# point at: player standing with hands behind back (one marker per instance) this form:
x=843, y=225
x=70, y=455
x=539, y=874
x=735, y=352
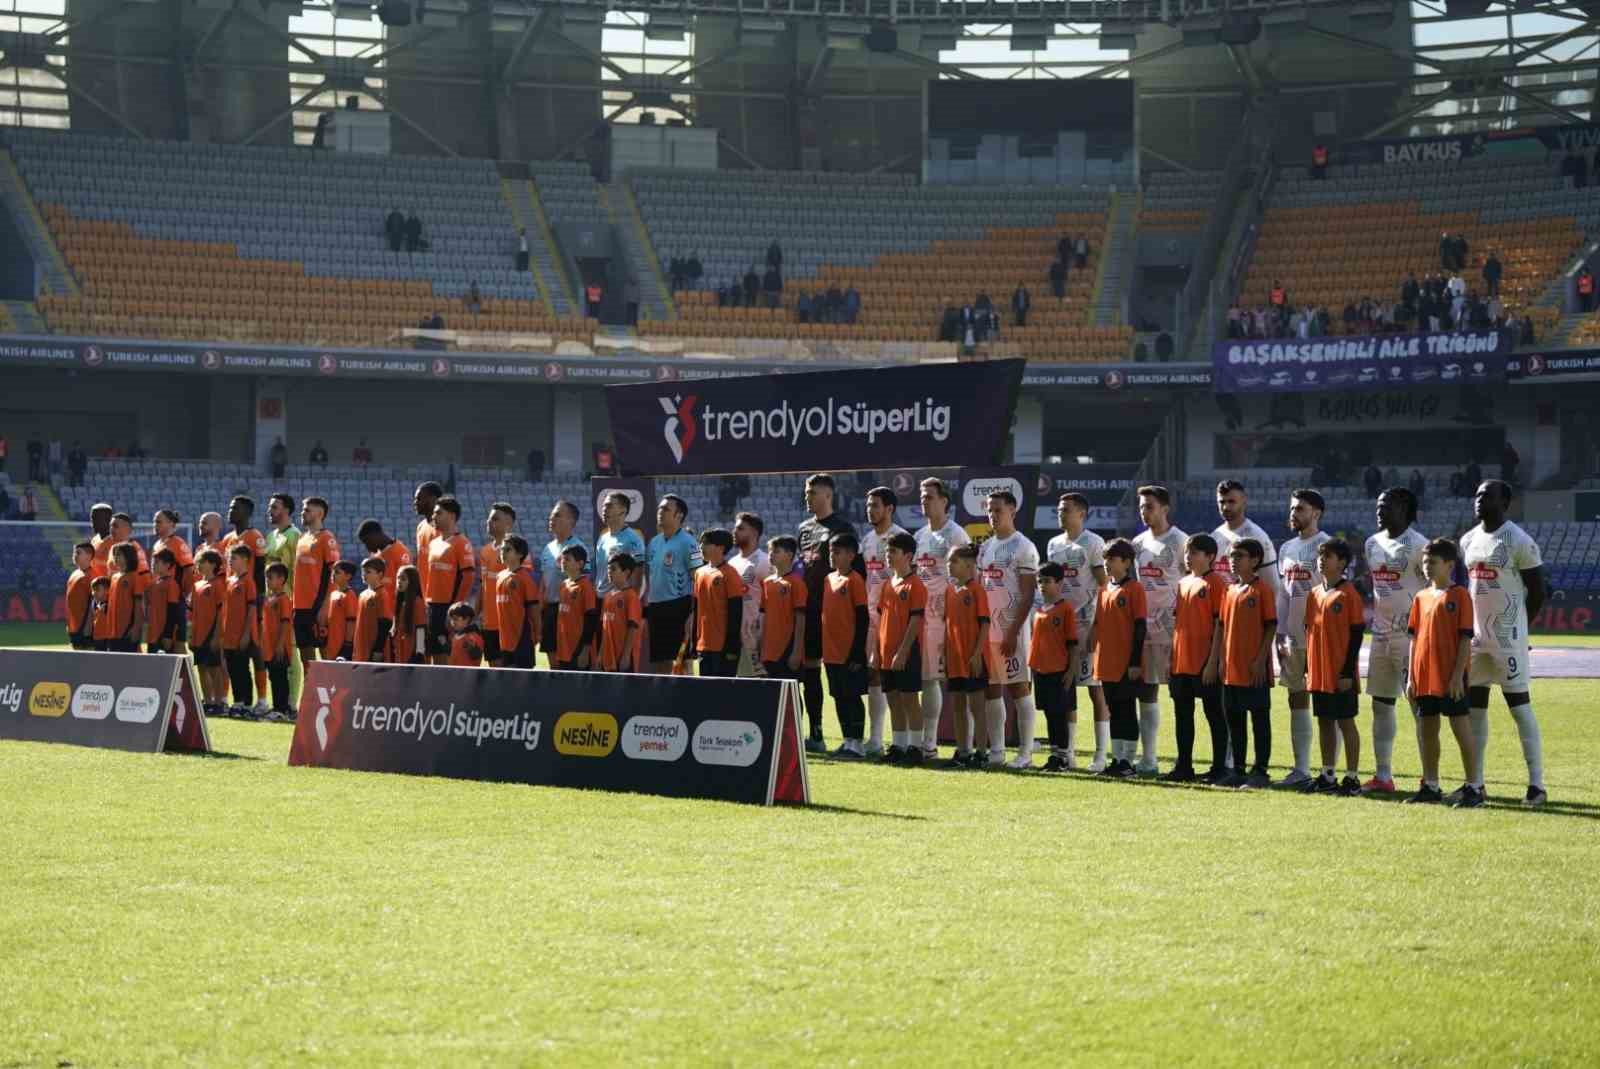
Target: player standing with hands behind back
x=1009, y=565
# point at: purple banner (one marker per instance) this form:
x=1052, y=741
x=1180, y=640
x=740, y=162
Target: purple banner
x=1376, y=362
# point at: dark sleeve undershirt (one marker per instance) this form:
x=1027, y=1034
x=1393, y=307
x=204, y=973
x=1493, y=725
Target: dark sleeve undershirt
x=1136, y=649
x=858, y=644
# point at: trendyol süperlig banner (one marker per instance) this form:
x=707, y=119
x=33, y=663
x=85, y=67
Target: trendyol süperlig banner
x=734, y=740
x=117, y=701
x=929, y=415
x=1376, y=362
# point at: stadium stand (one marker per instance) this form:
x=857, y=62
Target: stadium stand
x=1179, y=200
x=1358, y=232
x=224, y=242
x=908, y=250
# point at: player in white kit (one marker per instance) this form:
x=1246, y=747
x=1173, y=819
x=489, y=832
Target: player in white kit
x=1297, y=574
x=1082, y=556
x=751, y=562
x=1397, y=562
x=1506, y=577
x=935, y=540
x=1159, y=557
x=881, y=505
x=1008, y=565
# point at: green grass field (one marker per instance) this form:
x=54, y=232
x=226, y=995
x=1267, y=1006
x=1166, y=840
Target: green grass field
x=161, y=910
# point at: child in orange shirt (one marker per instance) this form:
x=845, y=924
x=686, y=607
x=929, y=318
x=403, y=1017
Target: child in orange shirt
x=621, y=618
x=339, y=615
x=717, y=620
x=239, y=630
x=897, y=649
x=844, y=641
x=100, y=612
x=205, y=616
x=161, y=602
x=1441, y=648
x=783, y=611
x=466, y=641
x=1244, y=649
x=578, y=616
x=80, y=598
x=1196, y=671
x=373, y=620
x=1119, y=630
x=1055, y=633
x=125, y=603
x=1334, y=624
x=519, y=612
x=966, y=638
x=277, y=635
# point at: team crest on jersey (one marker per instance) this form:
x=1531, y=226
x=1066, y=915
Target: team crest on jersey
x=905, y=595
x=1122, y=600
x=1449, y=606
x=966, y=599
x=1249, y=603
x=1336, y=608
x=666, y=558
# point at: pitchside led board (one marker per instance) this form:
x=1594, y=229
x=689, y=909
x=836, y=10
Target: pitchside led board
x=886, y=417
x=733, y=740
x=140, y=702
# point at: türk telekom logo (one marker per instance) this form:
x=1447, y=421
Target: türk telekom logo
x=680, y=428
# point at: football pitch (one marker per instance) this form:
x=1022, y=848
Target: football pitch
x=163, y=910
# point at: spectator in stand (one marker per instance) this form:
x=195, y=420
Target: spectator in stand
x=593, y=292
x=1458, y=310
x=774, y=256
x=1235, y=321
x=752, y=286
x=694, y=270
x=1492, y=270
x=5, y=504
x=675, y=273
x=414, y=242
x=1419, y=485
x=630, y=299
x=772, y=286
x=1319, y=161
x=1021, y=301
x=1586, y=289
x=36, y=459
x=361, y=454
x=1080, y=253
x=1471, y=478
x=1058, y=277
x=1391, y=476
x=1278, y=298
x=835, y=306
x=28, y=505
x=1064, y=249
x=278, y=458
x=967, y=332
x=394, y=228
x=1372, y=479
x=1494, y=313
x=819, y=306
x=852, y=304
x=1410, y=292
x=474, y=299
x=950, y=323
x=1447, y=251
x=1525, y=330
x=522, y=250
x=319, y=455
x=77, y=464
x=802, y=308
x=54, y=458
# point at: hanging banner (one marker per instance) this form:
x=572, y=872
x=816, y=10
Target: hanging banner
x=734, y=740
x=144, y=703
x=1375, y=362
x=933, y=414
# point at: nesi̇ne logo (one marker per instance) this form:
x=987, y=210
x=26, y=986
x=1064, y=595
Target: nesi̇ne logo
x=49, y=699
x=586, y=734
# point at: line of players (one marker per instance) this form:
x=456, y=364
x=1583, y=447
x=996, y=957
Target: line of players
x=736, y=608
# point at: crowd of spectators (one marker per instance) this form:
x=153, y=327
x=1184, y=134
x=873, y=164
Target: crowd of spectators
x=404, y=232
x=1071, y=254
x=1440, y=301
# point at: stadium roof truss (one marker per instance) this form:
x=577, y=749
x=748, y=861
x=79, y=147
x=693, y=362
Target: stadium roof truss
x=1475, y=64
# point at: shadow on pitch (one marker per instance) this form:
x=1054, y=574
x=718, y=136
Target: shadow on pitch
x=850, y=811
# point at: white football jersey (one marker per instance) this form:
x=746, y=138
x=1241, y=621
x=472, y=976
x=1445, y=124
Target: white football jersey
x=1002, y=562
x=875, y=555
x=933, y=561
x=1160, y=563
x=1399, y=569
x=1226, y=536
x=1495, y=561
x=1079, y=557
x=1297, y=572
x=753, y=571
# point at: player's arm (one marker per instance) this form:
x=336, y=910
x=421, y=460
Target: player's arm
x=629, y=638
x=1027, y=583
x=465, y=578
x=381, y=639
x=975, y=663
x=733, y=636
x=1533, y=579
x=1210, y=674
x=324, y=581
x=591, y=628
x=1352, y=658
x=797, y=657
x=533, y=614
x=1458, y=672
